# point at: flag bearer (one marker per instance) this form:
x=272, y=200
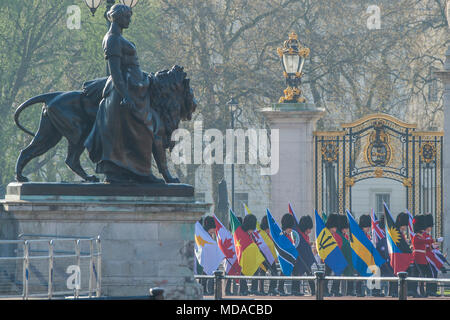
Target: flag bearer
x=273, y=268
x=385, y=269
x=365, y=223
x=287, y=225
x=344, y=232
x=249, y=226
x=333, y=224
x=305, y=225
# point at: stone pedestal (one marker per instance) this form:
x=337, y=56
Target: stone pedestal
x=147, y=239
x=294, y=181
x=444, y=75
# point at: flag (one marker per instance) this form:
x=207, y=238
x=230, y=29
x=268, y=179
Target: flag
x=399, y=251
x=248, y=254
x=410, y=224
x=287, y=254
x=327, y=247
x=263, y=241
x=377, y=230
x=305, y=255
x=436, y=260
x=207, y=251
x=226, y=245
x=364, y=254
x=291, y=211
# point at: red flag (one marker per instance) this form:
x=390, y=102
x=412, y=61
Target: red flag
x=226, y=245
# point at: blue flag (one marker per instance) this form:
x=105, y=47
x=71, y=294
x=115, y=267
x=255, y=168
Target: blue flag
x=364, y=254
x=328, y=249
x=287, y=254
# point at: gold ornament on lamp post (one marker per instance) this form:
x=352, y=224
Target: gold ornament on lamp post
x=293, y=56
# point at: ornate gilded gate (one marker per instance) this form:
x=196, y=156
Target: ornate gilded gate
x=379, y=146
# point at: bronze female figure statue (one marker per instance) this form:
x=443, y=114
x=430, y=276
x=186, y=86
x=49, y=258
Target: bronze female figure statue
x=138, y=124
x=120, y=141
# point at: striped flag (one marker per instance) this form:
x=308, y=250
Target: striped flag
x=377, y=231
x=399, y=251
x=287, y=254
x=364, y=254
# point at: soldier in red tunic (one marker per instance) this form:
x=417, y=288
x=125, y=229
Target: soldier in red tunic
x=421, y=243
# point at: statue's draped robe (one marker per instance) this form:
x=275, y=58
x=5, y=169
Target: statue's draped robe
x=121, y=139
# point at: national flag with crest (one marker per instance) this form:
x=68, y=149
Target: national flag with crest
x=364, y=254
x=305, y=255
x=263, y=241
x=226, y=244
x=399, y=251
x=377, y=230
x=287, y=253
x=207, y=251
x=248, y=253
x=327, y=247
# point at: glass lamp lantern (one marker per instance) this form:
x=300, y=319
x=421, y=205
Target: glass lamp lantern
x=130, y=3
x=293, y=57
x=93, y=5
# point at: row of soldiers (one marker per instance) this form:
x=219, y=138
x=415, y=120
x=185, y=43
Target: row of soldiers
x=338, y=225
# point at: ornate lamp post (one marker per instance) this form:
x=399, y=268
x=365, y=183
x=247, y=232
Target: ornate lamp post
x=232, y=106
x=293, y=56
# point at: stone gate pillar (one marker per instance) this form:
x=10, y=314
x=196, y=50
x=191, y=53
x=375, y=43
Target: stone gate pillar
x=444, y=75
x=295, y=179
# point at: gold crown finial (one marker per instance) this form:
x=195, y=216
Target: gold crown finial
x=293, y=36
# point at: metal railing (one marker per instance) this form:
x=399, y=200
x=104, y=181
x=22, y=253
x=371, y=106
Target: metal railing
x=320, y=281
x=38, y=268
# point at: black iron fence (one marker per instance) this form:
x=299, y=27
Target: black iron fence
x=320, y=281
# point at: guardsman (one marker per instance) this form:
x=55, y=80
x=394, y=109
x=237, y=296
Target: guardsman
x=365, y=223
x=249, y=226
x=305, y=225
x=421, y=242
x=431, y=286
x=333, y=224
x=385, y=269
x=273, y=268
x=344, y=232
x=287, y=225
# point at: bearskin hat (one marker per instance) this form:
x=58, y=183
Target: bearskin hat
x=332, y=221
x=429, y=220
x=419, y=223
x=402, y=220
x=365, y=221
x=287, y=221
x=249, y=222
x=305, y=223
x=264, y=224
x=209, y=223
x=343, y=222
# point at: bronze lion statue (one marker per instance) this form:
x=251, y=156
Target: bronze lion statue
x=72, y=115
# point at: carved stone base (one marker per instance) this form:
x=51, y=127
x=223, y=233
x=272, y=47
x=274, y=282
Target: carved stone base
x=147, y=236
